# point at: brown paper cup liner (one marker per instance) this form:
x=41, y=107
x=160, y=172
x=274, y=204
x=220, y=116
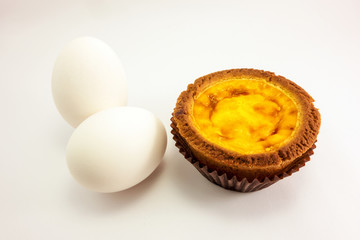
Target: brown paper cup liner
x=235, y=184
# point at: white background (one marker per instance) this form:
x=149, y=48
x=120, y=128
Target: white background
x=165, y=45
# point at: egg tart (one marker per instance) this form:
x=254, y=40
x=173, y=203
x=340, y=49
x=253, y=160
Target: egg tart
x=245, y=129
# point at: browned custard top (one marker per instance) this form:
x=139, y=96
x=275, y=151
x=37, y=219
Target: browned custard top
x=246, y=115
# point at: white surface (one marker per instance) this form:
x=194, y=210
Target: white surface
x=88, y=77
x=165, y=45
x=115, y=149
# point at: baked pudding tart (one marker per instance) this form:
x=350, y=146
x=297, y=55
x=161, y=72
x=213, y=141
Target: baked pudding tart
x=245, y=129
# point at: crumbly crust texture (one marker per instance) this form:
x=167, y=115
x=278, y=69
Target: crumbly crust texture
x=232, y=163
x=236, y=183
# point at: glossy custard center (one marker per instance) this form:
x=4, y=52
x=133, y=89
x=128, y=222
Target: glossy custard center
x=245, y=115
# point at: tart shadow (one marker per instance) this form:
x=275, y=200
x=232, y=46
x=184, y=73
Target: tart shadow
x=226, y=204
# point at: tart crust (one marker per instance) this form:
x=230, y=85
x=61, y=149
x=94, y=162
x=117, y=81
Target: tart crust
x=234, y=183
x=250, y=166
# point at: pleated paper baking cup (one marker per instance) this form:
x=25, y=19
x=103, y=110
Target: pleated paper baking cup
x=235, y=183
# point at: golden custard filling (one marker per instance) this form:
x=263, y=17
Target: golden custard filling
x=246, y=115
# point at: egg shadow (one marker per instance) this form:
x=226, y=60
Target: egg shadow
x=60, y=135
x=88, y=202
x=225, y=203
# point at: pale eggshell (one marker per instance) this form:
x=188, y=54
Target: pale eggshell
x=116, y=149
x=88, y=77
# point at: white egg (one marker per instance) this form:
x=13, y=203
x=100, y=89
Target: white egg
x=116, y=149
x=88, y=77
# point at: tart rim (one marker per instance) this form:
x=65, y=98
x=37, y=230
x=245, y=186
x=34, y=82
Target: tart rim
x=303, y=139
x=234, y=182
